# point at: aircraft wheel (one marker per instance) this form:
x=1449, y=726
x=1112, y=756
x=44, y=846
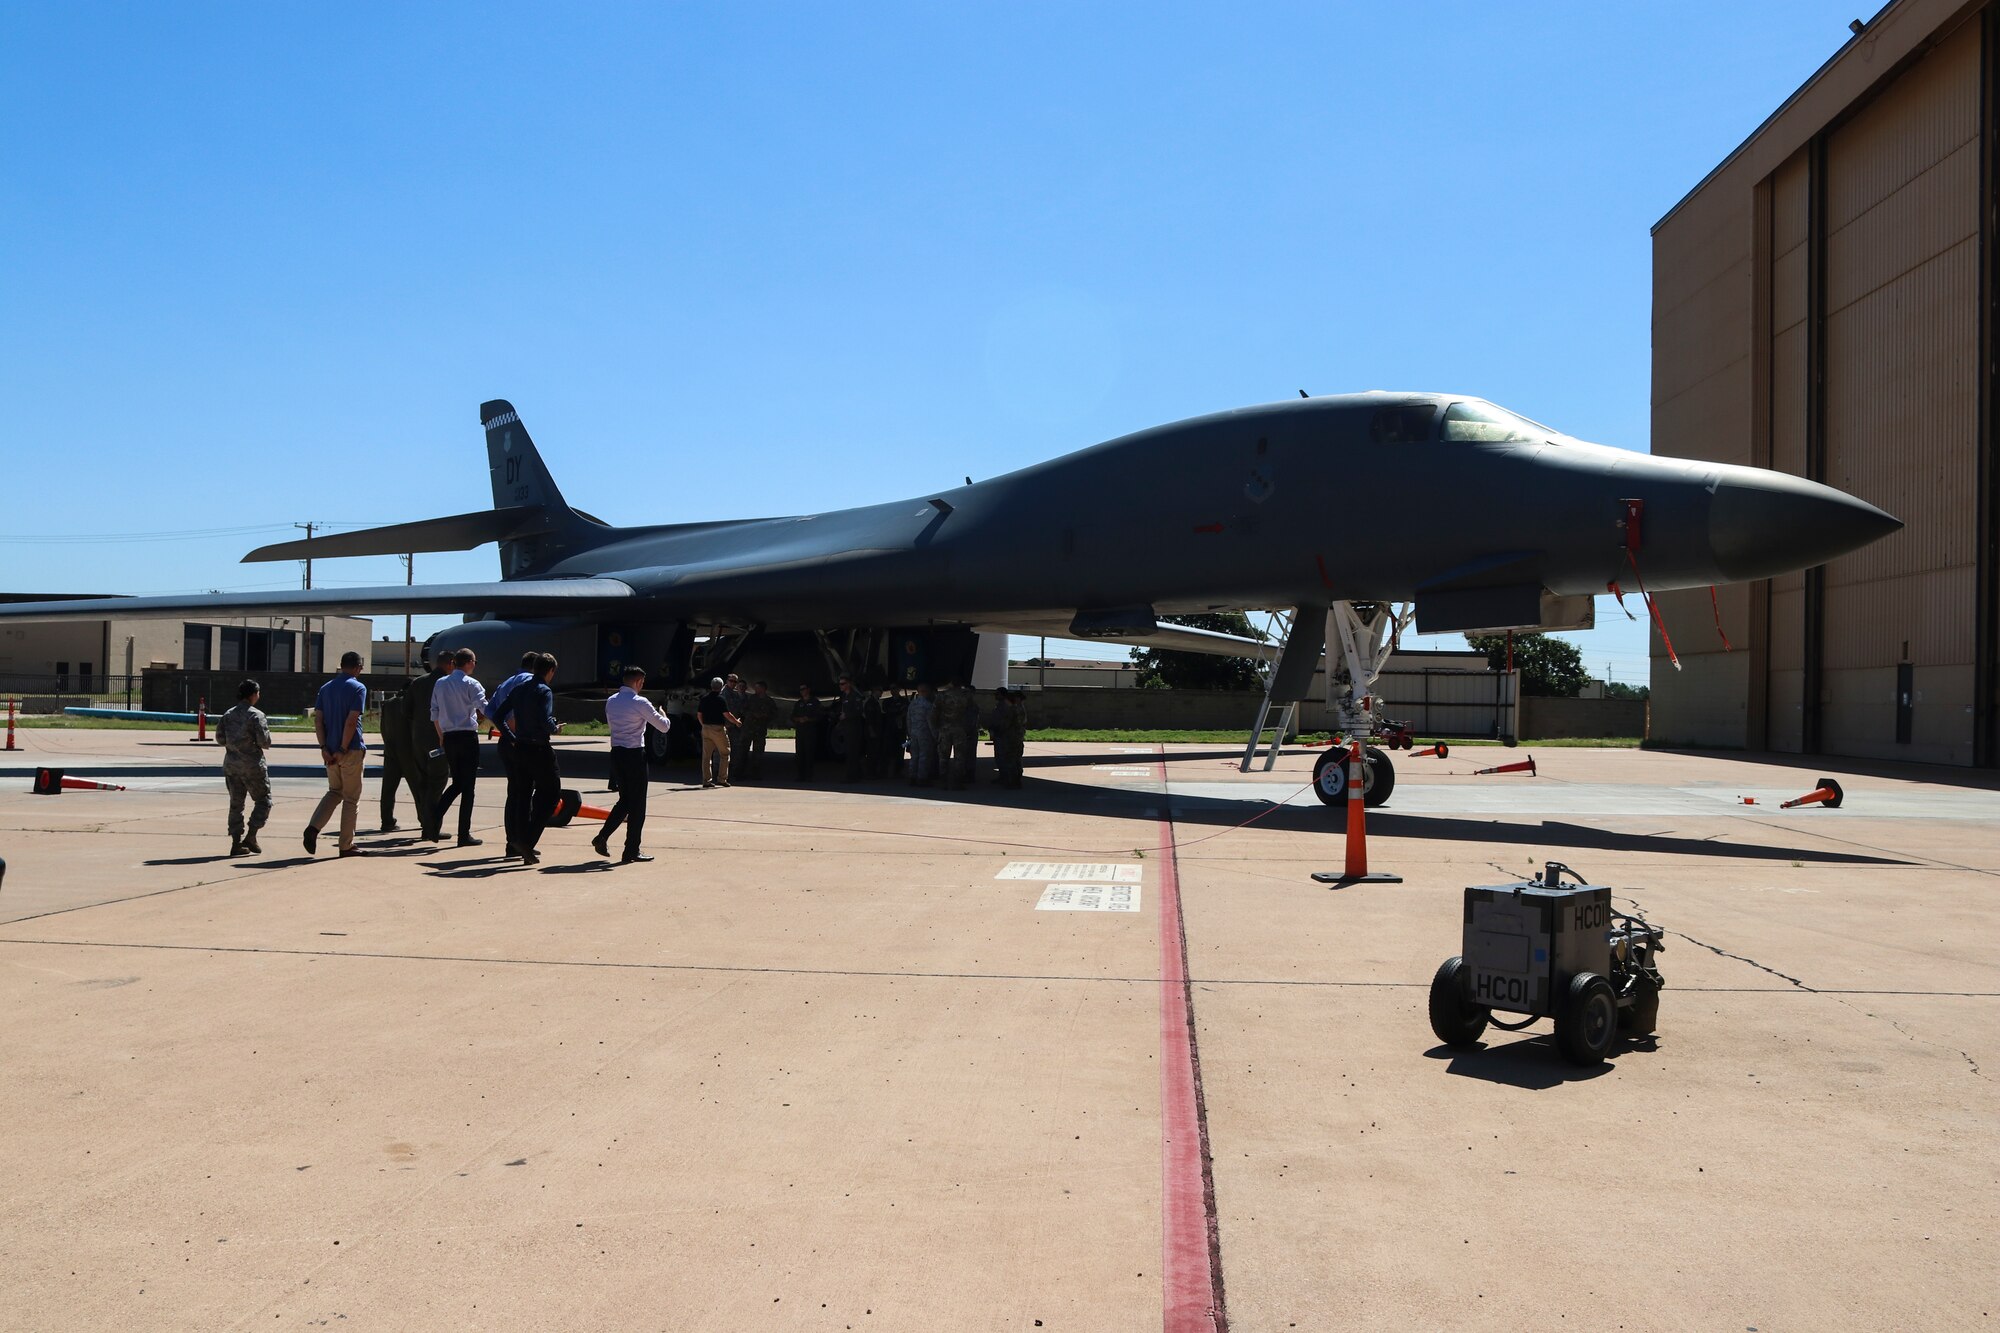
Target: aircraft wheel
x=1378, y=778
x=1330, y=776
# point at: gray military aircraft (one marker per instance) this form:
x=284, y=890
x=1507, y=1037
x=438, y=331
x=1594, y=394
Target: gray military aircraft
x=1272, y=506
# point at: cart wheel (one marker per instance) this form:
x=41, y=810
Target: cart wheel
x=1644, y=1013
x=1456, y=1021
x=1587, y=1022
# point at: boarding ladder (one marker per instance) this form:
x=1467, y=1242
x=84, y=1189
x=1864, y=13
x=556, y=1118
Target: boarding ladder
x=1280, y=631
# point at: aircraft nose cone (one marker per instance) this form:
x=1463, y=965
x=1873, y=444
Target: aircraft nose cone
x=1772, y=523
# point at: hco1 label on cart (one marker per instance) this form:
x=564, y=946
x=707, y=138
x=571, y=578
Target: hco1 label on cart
x=1111, y=873
x=1089, y=898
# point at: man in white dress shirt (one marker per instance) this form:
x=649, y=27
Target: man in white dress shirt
x=458, y=706
x=629, y=713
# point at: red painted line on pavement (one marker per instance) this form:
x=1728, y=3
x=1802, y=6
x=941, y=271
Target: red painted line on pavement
x=1190, y=1248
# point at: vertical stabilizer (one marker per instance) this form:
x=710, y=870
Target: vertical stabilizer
x=522, y=480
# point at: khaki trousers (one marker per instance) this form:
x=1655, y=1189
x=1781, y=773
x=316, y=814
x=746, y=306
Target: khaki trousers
x=343, y=788
x=714, y=754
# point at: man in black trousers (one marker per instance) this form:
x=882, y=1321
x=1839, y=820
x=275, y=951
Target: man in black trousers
x=629, y=712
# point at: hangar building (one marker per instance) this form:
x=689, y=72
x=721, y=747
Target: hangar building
x=101, y=656
x=1824, y=303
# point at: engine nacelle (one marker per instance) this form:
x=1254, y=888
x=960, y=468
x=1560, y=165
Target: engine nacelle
x=500, y=645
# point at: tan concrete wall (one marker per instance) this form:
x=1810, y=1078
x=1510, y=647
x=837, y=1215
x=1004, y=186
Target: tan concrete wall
x=1901, y=329
x=1559, y=719
x=1703, y=289
x=33, y=651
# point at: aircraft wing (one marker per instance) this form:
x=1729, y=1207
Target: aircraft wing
x=1177, y=638
x=512, y=597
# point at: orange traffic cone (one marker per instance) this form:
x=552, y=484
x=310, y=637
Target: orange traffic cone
x=1525, y=766
x=1438, y=751
x=1356, y=869
x=10, y=726
x=1827, y=793
x=51, y=782
x=200, y=720
x=591, y=812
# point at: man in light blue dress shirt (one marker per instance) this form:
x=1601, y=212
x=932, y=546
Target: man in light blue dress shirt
x=630, y=713
x=458, y=705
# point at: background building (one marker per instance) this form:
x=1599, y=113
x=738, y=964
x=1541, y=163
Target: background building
x=97, y=656
x=1823, y=304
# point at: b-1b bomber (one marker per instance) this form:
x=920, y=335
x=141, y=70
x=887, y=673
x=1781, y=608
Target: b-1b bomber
x=1257, y=508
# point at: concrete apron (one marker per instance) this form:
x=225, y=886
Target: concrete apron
x=817, y=1066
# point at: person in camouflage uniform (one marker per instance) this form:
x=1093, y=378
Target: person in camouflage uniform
x=1009, y=728
x=398, y=764
x=958, y=735
x=920, y=718
x=850, y=711
x=759, y=708
x=895, y=723
x=244, y=736
x=427, y=774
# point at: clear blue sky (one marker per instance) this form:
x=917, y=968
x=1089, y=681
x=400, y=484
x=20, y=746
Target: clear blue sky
x=259, y=264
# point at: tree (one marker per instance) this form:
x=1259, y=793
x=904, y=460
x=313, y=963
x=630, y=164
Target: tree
x=1161, y=668
x=1550, y=668
x=1618, y=689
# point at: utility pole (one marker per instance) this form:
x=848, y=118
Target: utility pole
x=305, y=645
x=409, y=580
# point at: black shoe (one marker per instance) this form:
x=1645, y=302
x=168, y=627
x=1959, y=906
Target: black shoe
x=352, y=851
x=509, y=851
x=531, y=858
x=602, y=846
x=236, y=846
x=250, y=845
x=312, y=841
x=467, y=840
x=630, y=857
x=433, y=835
x=389, y=826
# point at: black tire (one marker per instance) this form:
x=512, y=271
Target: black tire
x=660, y=745
x=1587, y=1021
x=1378, y=778
x=1456, y=1021
x=1643, y=1014
x=1330, y=776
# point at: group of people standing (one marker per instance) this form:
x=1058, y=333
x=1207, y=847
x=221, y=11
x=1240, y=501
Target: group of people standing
x=929, y=737
x=430, y=734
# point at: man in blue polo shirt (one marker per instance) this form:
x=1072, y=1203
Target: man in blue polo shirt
x=337, y=724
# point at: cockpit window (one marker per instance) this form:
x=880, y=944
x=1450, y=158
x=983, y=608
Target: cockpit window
x=1407, y=423
x=1483, y=423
